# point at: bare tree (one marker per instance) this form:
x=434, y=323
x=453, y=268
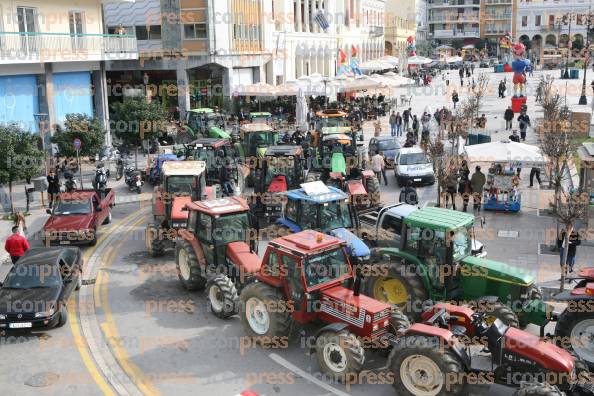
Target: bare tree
x=570, y=208
x=442, y=168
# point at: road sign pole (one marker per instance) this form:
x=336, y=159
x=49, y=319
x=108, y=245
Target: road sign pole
x=79, y=168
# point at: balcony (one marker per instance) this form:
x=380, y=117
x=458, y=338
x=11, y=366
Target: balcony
x=498, y=17
x=451, y=34
x=497, y=2
x=376, y=31
x=20, y=48
x=458, y=18
x=454, y=3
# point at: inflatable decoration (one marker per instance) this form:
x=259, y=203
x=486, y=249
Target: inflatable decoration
x=411, y=48
x=519, y=66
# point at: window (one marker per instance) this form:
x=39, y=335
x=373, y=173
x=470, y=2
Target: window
x=537, y=20
x=141, y=33
x=152, y=33
x=392, y=224
x=551, y=20
x=273, y=268
x=204, y=227
x=525, y=20
x=195, y=31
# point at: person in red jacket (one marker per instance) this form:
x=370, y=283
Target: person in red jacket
x=16, y=245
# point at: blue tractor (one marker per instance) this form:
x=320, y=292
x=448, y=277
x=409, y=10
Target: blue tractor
x=329, y=212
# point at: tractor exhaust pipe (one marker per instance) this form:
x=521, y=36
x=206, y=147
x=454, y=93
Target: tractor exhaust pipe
x=357, y=283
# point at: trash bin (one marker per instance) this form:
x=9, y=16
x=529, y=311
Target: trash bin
x=500, y=68
x=574, y=74
x=495, y=68
x=40, y=184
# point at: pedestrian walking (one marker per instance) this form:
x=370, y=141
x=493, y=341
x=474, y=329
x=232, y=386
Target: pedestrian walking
x=535, y=172
x=393, y=124
x=464, y=184
x=53, y=187
x=408, y=194
x=455, y=98
x=384, y=168
x=524, y=122
x=461, y=73
x=481, y=122
x=415, y=128
x=377, y=164
x=398, y=124
x=477, y=183
x=514, y=137
x=472, y=68
x=509, y=118
x=406, y=116
x=19, y=221
x=574, y=241
x=16, y=245
x=592, y=85
x=451, y=188
x=447, y=79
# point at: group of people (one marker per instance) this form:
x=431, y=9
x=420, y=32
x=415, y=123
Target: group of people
x=459, y=182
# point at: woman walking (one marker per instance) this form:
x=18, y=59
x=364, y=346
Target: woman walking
x=53, y=187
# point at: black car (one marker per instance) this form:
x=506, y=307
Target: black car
x=35, y=291
x=389, y=145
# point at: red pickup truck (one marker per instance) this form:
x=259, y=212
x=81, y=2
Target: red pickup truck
x=77, y=216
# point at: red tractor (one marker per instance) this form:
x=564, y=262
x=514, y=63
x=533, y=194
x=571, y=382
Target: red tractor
x=216, y=252
x=434, y=357
x=301, y=280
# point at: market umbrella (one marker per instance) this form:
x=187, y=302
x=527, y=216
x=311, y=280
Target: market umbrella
x=444, y=46
x=454, y=59
x=469, y=46
x=505, y=151
x=390, y=59
x=301, y=110
x=418, y=60
x=399, y=80
x=375, y=65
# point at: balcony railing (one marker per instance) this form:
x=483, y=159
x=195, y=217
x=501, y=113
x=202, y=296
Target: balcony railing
x=18, y=47
x=502, y=16
x=376, y=31
x=474, y=17
x=459, y=3
x=451, y=33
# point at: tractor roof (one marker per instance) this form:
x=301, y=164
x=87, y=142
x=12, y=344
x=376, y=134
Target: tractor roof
x=202, y=110
x=337, y=136
x=439, y=219
x=218, y=207
x=308, y=242
x=256, y=127
x=334, y=195
x=331, y=113
x=261, y=114
x=184, y=168
x=282, y=151
x=336, y=130
x=210, y=142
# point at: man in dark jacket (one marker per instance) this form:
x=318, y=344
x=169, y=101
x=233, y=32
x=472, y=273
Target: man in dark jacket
x=574, y=241
x=406, y=116
x=477, y=183
x=408, y=194
x=514, y=137
x=524, y=121
x=509, y=117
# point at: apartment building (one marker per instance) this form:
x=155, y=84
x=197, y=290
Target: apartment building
x=546, y=24
x=454, y=19
x=308, y=34
x=52, y=58
x=498, y=18
x=421, y=18
x=191, y=52
x=401, y=23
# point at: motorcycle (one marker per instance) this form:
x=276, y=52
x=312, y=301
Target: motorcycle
x=101, y=175
x=70, y=184
x=133, y=179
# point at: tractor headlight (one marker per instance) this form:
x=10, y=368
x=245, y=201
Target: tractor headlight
x=365, y=258
x=375, y=327
x=45, y=314
x=2, y=317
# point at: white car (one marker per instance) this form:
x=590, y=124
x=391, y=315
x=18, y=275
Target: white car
x=413, y=164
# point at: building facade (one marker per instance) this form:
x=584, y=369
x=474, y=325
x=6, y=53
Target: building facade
x=192, y=52
x=302, y=45
x=454, y=19
x=52, y=58
x=421, y=18
x=401, y=23
x=544, y=24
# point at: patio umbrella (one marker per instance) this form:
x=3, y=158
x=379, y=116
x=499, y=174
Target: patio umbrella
x=444, y=46
x=390, y=59
x=258, y=89
x=375, y=65
x=301, y=110
x=505, y=151
x=469, y=46
x=418, y=60
x=399, y=80
x=454, y=59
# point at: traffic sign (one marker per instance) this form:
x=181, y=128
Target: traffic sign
x=77, y=144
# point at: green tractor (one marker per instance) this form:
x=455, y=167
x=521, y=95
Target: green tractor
x=255, y=139
x=262, y=117
x=434, y=263
x=203, y=122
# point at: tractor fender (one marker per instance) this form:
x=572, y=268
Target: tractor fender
x=395, y=253
x=443, y=338
x=334, y=327
x=355, y=246
x=577, y=294
x=488, y=299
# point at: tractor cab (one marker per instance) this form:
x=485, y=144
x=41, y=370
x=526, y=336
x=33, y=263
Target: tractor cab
x=221, y=228
x=255, y=139
x=332, y=118
x=155, y=165
x=216, y=152
x=262, y=117
x=326, y=209
x=313, y=271
x=205, y=122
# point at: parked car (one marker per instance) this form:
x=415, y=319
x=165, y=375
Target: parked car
x=45, y=278
x=389, y=145
x=413, y=164
x=77, y=216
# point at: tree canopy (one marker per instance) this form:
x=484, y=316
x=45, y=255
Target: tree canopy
x=87, y=129
x=135, y=120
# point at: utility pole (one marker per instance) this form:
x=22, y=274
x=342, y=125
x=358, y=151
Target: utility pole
x=583, y=98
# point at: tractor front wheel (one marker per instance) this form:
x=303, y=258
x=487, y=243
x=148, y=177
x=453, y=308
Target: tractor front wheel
x=373, y=190
x=340, y=354
x=399, y=285
x=222, y=296
x=264, y=311
x=497, y=310
x=578, y=328
x=188, y=267
x=422, y=367
x=538, y=389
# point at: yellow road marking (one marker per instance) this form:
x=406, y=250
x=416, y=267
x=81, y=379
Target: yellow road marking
x=109, y=327
x=77, y=336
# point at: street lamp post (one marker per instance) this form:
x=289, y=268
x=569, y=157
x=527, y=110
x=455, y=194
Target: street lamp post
x=41, y=124
x=583, y=98
x=566, y=19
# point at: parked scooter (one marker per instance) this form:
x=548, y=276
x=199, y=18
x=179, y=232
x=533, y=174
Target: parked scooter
x=70, y=184
x=101, y=175
x=133, y=179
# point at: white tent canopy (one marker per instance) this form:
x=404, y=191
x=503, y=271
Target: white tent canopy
x=258, y=89
x=505, y=151
x=390, y=59
x=454, y=59
x=418, y=60
x=376, y=65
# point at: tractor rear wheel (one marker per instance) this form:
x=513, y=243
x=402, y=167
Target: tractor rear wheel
x=577, y=326
x=538, y=389
x=422, y=367
x=498, y=310
x=534, y=293
x=154, y=244
x=401, y=286
x=257, y=317
x=312, y=177
x=188, y=267
x=222, y=296
x=373, y=190
x=340, y=354
x=398, y=321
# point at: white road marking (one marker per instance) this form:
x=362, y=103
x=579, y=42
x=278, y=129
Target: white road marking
x=291, y=367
